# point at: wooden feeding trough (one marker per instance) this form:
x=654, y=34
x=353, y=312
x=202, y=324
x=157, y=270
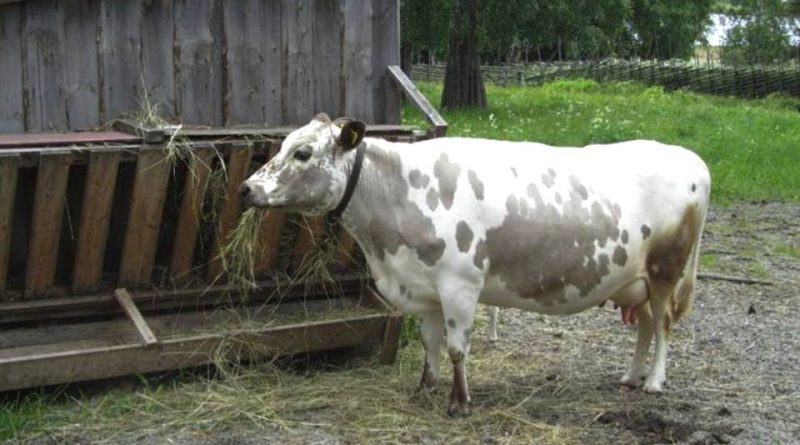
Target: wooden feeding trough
x=109, y=266
x=110, y=247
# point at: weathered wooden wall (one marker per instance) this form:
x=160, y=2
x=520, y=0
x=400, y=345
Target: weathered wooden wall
x=73, y=64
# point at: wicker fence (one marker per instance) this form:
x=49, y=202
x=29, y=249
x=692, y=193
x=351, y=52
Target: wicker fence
x=747, y=82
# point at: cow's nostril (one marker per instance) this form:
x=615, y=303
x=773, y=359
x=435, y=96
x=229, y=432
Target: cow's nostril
x=244, y=191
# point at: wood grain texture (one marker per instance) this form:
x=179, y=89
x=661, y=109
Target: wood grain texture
x=120, y=50
x=145, y=333
x=9, y=168
x=189, y=217
x=307, y=239
x=158, y=32
x=238, y=165
x=144, y=218
x=48, y=209
x=327, y=31
x=271, y=50
x=244, y=62
x=12, y=118
x=385, y=51
x=80, y=66
x=298, y=68
x=43, y=66
x=357, y=60
x=199, y=56
x=98, y=194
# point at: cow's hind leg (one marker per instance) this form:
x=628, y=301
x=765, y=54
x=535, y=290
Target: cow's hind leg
x=459, y=312
x=493, y=311
x=432, y=333
x=645, y=337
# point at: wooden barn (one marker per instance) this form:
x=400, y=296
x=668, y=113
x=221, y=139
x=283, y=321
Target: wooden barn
x=112, y=241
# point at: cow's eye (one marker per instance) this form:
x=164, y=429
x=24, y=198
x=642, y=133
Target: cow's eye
x=302, y=155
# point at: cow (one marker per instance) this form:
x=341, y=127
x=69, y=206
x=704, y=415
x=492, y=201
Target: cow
x=450, y=222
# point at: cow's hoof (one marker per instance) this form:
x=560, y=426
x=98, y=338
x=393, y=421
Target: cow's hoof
x=630, y=380
x=653, y=387
x=457, y=410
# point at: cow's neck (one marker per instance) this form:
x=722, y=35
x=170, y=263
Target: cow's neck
x=379, y=187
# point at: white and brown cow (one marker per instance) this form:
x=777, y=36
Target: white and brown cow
x=448, y=223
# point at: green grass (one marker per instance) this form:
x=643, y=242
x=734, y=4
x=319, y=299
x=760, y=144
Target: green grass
x=751, y=146
x=787, y=250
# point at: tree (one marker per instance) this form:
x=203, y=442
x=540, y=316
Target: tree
x=463, y=83
x=667, y=29
x=760, y=33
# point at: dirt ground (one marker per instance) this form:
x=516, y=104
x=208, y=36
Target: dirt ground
x=733, y=372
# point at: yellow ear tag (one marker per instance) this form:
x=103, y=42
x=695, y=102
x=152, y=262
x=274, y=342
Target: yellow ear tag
x=353, y=137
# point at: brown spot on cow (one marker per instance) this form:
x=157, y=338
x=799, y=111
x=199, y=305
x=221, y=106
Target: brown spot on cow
x=476, y=184
x=432, y=199
x=447, y=173
x=645, y=231
x=620, y=256
x=417, y=179
x=464, y=236
x=624, y=237
x=451, y=323
x=539, y=255
x=406, y=225
x=579, y=188
x=549, y=177
x=671, y=249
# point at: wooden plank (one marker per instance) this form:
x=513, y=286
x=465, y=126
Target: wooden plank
x=43, y=66
x=347, y=246
x=326, y=28
x=194, y=190
x=145, y=334
x=243, y=62
x=80, y=63
x=271, y=50
x=158, y=34
x=419, y=100
x=271, y=229
x=9, y=167
x=158, y=300
x=238, y=166
x=307, y=239
x=198, y=60
x=385, y=52
x=12, y=118
x=357, y=60
x=98, y=194
x=391, y=339
x=48, y=208
x=144, y=218
x=70, y=365
x=298, y=69
x=120, y=51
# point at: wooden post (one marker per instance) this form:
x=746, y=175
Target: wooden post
x=48, y=208
x=144, y=218
x=9, y=166
x=194, y=189
x=238, y=166
x=98, y=196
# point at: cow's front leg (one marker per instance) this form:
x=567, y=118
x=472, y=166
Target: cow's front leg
x=432, y=333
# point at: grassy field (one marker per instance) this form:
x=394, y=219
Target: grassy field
x=751, y=146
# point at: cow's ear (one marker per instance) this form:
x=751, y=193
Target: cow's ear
x=352, y=133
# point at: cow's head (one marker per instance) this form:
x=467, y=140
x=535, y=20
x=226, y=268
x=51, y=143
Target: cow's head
x=309, y=173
